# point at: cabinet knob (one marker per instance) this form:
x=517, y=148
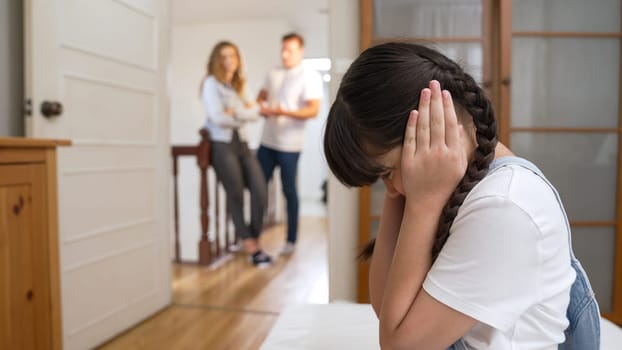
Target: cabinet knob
x=29, y=295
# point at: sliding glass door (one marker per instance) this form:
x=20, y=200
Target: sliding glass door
x=565, y=117
x=552, y=68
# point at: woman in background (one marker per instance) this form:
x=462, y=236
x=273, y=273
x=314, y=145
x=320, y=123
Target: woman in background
x=228, y=110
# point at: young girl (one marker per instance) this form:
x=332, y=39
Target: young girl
x=222, y=92
x=473, y=249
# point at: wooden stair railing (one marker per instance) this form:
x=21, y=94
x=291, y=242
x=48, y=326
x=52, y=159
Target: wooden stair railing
x=203, y=161
x=209, y=250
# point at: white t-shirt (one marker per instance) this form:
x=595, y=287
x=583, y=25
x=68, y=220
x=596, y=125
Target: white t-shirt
x=506, y=263
x=289, y=89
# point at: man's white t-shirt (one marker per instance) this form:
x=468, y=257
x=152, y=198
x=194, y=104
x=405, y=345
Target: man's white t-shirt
x=507, y=264
x=289, y=89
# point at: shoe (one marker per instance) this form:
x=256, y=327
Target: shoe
x=288, y=249
x=235, y=248
x=260, y=259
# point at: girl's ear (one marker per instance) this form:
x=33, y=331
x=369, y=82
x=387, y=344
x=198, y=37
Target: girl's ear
x=391, y=191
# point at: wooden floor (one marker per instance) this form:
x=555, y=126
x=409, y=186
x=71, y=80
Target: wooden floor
x=233, y=307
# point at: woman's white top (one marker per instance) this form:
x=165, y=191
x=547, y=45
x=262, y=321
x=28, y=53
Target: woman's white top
x=217, y=97
x=506, y=263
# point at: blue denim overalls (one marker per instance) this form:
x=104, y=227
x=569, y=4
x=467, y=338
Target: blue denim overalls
x=583, y=332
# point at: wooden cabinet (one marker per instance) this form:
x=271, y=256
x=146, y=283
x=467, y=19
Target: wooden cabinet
x=29, y=273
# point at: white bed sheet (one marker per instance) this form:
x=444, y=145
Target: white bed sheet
x=355, y=326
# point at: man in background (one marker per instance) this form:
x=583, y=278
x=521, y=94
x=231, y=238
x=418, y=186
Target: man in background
x=290, y=96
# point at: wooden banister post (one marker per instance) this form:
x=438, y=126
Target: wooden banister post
x=203, y=160
x=217, y=213
x=176, y=200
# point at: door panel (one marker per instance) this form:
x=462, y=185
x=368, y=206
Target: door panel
x=105, y=61
x=117, y=103
x=565, y=82
x=425, y=18
x=565, y=116
x=554, y=15
x=131, y=201
x=129, y=36
x=582, y=166
x=596, y=245
x=468, y=55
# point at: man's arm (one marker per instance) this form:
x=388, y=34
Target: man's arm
x=262, y=96
x=262, y=99
x=310, y=110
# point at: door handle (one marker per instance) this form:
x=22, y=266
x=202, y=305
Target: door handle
x=51, y=109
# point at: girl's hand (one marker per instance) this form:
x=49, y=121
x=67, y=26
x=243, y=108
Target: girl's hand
x=434, y=158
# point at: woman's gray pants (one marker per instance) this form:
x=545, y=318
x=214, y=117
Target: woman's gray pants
x=237, y=168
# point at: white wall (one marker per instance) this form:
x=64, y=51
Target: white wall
x=11, y=68
x=342, y=202
x=312, y=167
x=259, y=41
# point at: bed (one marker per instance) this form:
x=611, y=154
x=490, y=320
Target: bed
x=355, y=326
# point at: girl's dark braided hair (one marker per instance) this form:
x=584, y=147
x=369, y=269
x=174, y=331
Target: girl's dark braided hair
x=369, y=116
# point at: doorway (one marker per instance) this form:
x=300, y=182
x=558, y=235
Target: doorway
x=197, y=26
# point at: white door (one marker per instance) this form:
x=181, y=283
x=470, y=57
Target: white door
x=105, y=62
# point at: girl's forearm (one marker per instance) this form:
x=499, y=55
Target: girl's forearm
x=411, y=262
x=390, y=222
x=310, y=110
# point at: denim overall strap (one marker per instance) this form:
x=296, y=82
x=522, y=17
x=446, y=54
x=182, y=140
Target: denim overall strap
x=459, y=345
x=583, y=332
x=583, y=314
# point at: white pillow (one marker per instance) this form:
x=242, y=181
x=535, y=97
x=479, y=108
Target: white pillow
x=610, y=335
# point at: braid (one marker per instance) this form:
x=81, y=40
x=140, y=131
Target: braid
x=472, y=98
x=396, y=69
